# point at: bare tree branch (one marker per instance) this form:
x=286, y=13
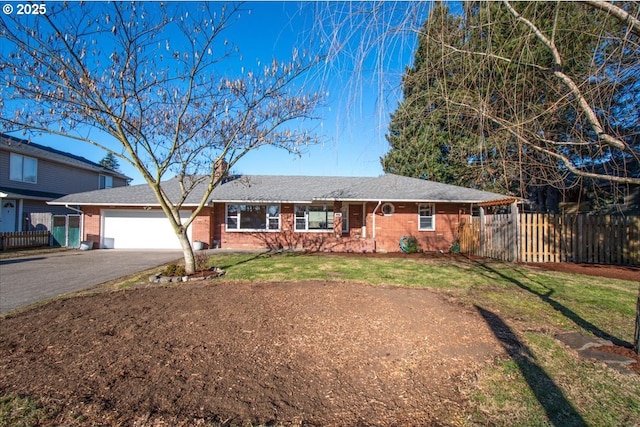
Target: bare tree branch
x=621, y=14
x=568, y=81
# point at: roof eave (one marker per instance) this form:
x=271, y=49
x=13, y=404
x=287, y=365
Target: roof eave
x=249, y=201
x=108, y=205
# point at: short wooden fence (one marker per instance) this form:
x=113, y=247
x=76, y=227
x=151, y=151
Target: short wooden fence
x=581, y=238
x=24, y=239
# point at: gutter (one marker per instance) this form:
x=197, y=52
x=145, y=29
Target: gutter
x=74, y=209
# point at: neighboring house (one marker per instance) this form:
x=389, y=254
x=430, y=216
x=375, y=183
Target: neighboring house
x=313, y=213
x=32, y=174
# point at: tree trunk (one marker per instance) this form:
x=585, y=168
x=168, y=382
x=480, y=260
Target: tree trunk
x=636, y=336
x=189, y=258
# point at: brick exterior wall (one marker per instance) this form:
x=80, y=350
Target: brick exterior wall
x=389, y=229
x=209, y=227
x=202, y=227
x=91, y=225
x=404, y=222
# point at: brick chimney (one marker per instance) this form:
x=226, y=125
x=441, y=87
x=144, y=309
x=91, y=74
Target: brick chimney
x=221, y=170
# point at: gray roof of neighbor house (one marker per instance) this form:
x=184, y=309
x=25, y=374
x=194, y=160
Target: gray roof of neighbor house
x=291, y=189
x=23, y=146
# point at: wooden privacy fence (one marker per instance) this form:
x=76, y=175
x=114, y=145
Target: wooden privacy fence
x=599, y=239
x=24, y=239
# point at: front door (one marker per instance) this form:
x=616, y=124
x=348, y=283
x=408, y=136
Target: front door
x=355, y=220
x=8, y=215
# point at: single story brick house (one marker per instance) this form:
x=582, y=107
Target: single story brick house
x=305, y=212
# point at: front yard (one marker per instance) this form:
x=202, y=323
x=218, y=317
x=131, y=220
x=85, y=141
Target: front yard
x=325, y=340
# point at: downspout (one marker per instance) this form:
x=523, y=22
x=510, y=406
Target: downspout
x=373, y=224
x=373, y=233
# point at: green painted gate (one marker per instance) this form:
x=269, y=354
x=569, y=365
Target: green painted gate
x=65, y=230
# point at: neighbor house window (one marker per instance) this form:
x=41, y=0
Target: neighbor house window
x=426, y=217
x=106, y=182
x=253, y=217
x=314, y=218
x=22, y=168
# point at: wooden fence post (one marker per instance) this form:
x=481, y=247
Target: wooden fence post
x=514, y=232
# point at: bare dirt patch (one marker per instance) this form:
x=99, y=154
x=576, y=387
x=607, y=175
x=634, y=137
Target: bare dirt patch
x=610, y=271
x=308, y=353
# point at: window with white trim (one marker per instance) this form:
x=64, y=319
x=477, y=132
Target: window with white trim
x=253, y=217
x=426, y=217
x=105, y=182
x=314, y=218
x=23, y=168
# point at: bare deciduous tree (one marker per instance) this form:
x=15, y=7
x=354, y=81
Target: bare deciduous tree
x=547, y=91
x=155, y=78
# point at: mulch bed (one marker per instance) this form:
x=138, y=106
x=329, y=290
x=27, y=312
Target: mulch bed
x=623, y=351
x=307, y=353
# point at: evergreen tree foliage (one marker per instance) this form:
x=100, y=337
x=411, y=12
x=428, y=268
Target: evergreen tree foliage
x=110, y=162
x=519, y=98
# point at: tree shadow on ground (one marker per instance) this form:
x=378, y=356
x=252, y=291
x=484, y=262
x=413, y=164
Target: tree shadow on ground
x=558, y=408
x=565, y=311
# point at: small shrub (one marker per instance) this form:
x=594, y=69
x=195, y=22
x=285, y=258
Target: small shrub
x=202, y=261
x=174, y=270
x=409, y=244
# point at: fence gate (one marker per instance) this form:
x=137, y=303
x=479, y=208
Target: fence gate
x=65, y=230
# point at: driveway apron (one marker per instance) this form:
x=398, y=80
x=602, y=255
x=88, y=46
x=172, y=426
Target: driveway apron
x=35, y=278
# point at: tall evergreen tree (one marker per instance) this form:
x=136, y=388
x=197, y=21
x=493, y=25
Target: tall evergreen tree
x=517, y=97
x=421, y=131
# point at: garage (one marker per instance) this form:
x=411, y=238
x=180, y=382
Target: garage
x=138, y=229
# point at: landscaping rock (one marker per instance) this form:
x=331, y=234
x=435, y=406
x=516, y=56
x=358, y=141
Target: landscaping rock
x=209, y=274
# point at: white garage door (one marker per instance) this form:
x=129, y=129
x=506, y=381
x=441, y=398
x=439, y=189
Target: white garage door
x=137, y=229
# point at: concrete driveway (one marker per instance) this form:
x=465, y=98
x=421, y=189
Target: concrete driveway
x=35, y=278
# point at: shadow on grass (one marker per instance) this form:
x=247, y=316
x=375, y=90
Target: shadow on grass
x=559, y=410
x=565, y=311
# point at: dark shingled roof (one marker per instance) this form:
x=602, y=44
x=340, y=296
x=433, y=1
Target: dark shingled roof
x=291, y=189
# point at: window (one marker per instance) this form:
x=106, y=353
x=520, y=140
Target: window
x=388, y=209
x=253, y=217
x=314, y=218
x=106, y=181
x=345, y=218
x=426, y=217
x=23, y=168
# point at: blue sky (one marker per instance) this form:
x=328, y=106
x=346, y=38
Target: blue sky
x=353, y=124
